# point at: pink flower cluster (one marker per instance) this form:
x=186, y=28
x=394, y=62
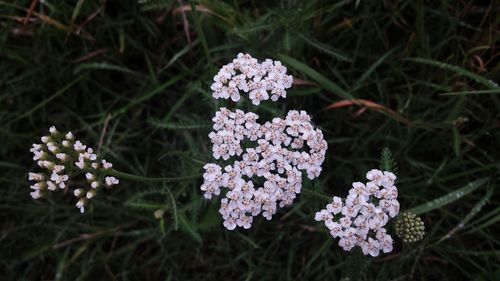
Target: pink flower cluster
x=246, y=74
x=278, y=157
x=359, y=220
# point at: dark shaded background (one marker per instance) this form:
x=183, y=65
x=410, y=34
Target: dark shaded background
x=140, y=72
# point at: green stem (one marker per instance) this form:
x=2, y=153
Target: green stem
x=315, y=193
x=201, y=34
x=123, y=175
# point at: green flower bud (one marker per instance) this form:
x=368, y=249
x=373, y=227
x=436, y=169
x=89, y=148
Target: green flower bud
x=409, y=227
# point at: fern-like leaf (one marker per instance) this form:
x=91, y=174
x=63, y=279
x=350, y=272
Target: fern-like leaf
x=387, y=162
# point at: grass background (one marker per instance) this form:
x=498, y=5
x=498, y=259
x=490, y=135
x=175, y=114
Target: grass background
x=132, y=79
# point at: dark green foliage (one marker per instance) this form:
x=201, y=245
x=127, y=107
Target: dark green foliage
x=133, y=78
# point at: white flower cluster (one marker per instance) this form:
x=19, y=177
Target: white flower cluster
x=278, y=158
x=359, y=220
x=65, y=158
x=246, y=74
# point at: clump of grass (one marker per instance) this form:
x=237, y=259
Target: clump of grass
x=134, y=78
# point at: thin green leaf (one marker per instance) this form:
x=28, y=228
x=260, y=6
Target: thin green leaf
x=201, y=34
x=457, y=140
x=178, y=125
x=10, y=165
x=181, y=53
x=186, y=227
x=481, y=92
x=61, y=265
x=456, y=69
x=370, y=70
x=448, y=198
x=46, y=101
x=146, y=96
x=248, y=240
x=316, y=76
x=104, y=66
x=325, y=48
x=173, y=206
x=77, y=9
x=492, y=221
x=315, y=193
x=144, y=205
x=474, y=211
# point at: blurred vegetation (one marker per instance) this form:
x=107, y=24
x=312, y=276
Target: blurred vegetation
x=414, y=76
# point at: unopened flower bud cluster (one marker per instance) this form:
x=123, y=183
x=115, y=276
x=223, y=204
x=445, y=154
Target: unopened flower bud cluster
x=409, y=227
x=63, y=158
x=359, y=219
x=259, y=80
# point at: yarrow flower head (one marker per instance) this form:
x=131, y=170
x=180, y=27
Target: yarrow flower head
x=279, y=156
x=259, y=80
x=64, y=158
x=359, y=219
x=275, y=153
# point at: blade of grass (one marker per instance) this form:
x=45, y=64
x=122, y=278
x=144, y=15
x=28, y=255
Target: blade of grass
x=315, y=193
x=448, y=198
x=492, y=221
x=325, y=48
x=370, y=70
x=456, y=69
x=316, y=76
x=178, y=125
x=481, y=92
x=200, y=32
x=105, y=66
x=149, y=95
x=181, y=53
x=76, y=10
x=44, y=102
x=186, y=227
x=173, y=206
x=474, y=211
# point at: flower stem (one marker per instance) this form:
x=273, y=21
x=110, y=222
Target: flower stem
x=123, y=175
x=315, y=193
